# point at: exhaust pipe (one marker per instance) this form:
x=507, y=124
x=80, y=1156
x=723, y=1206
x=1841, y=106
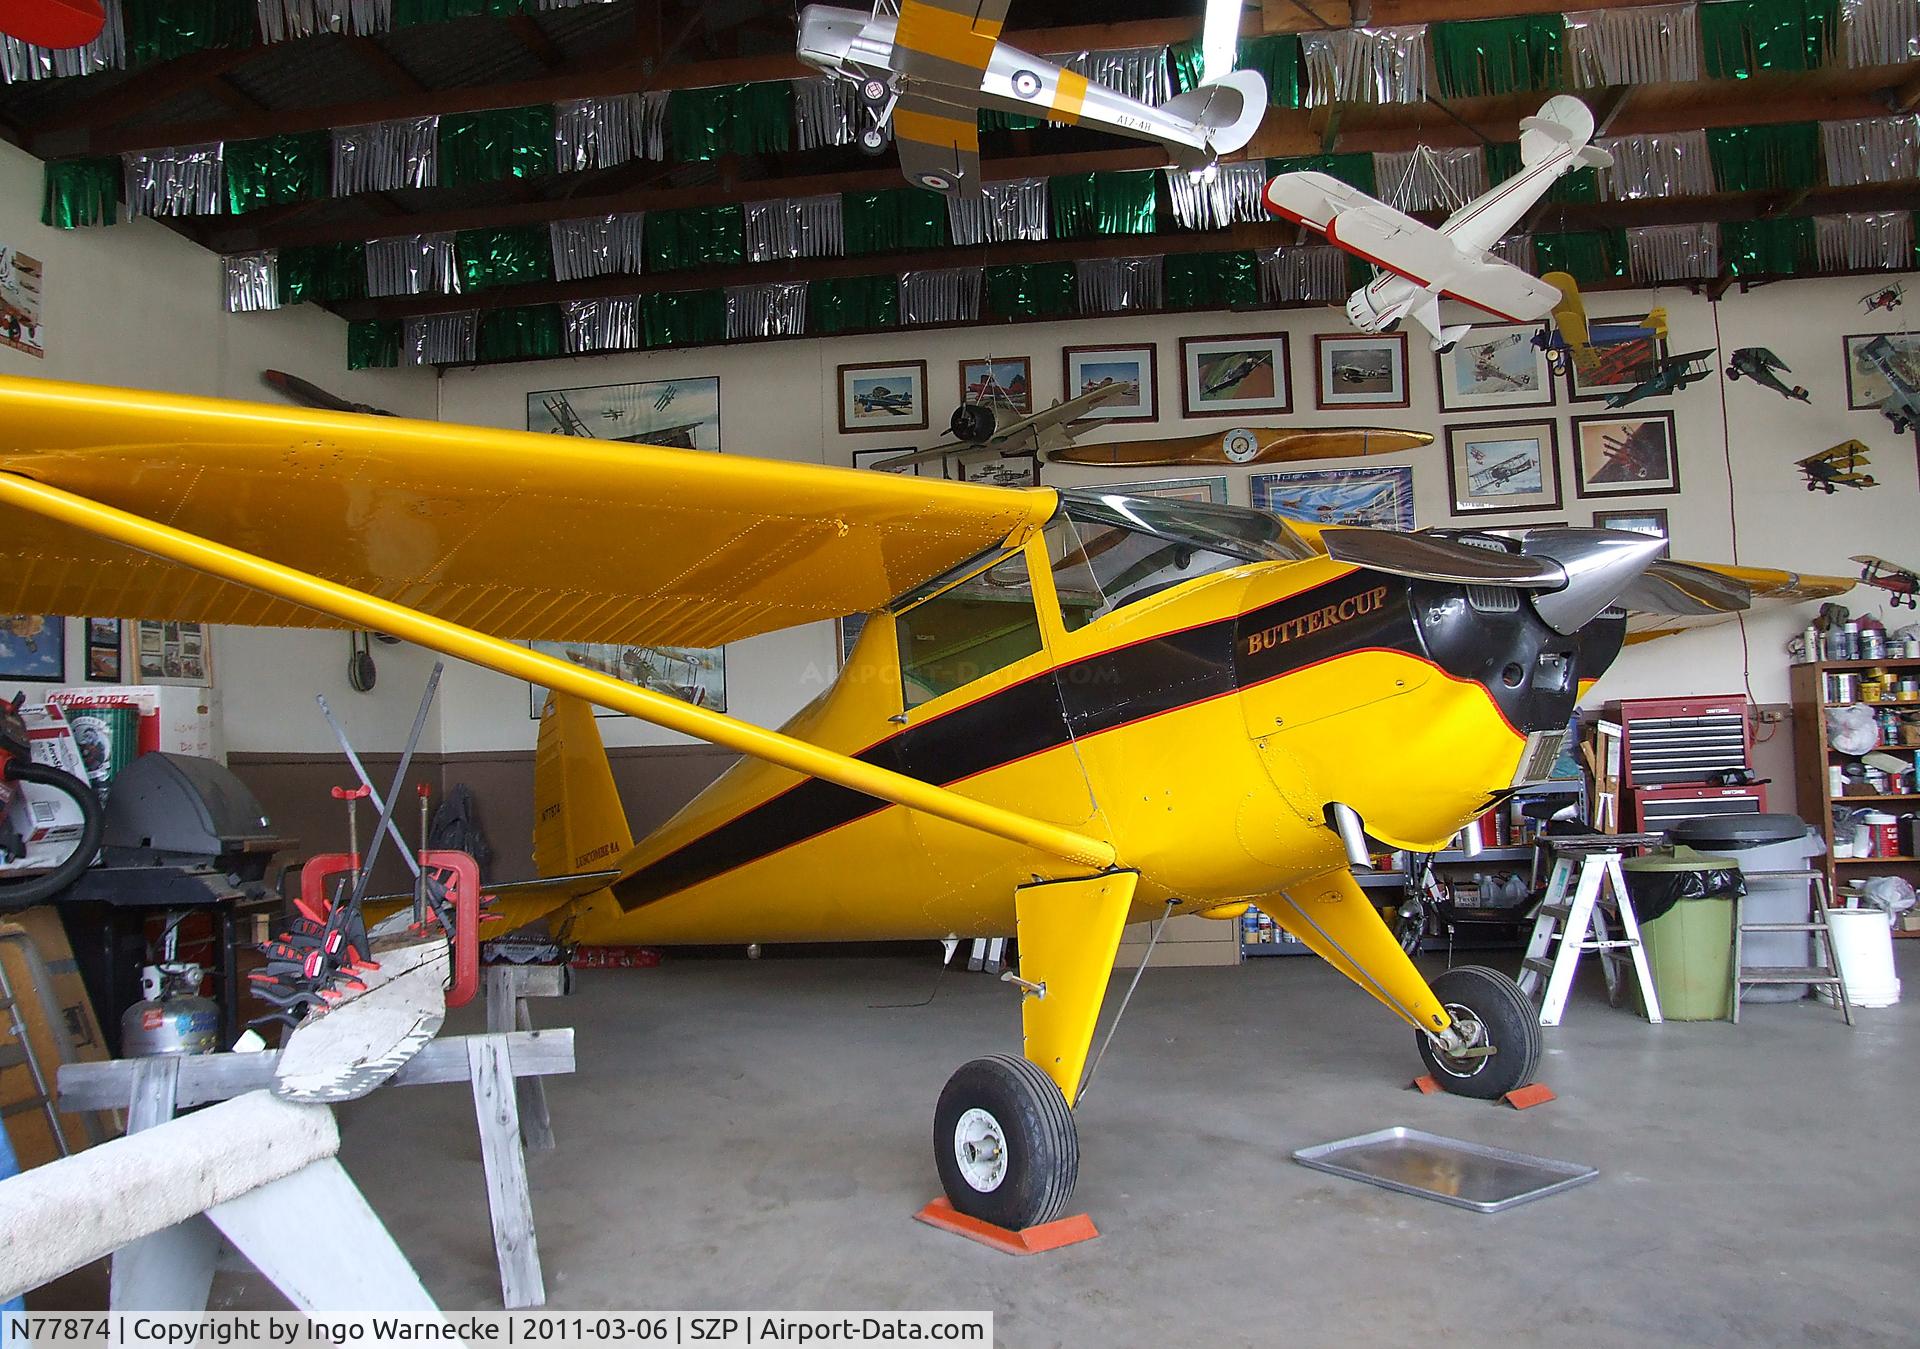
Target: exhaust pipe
x=1345, y=821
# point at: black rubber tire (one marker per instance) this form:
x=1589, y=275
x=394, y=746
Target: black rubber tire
x=93, y=822
x=1043, y=1147
x=1513, y=1028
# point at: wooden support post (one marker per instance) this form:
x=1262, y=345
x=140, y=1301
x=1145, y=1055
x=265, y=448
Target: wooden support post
x=508, y=988
x=498, y=1113
x=170, y=1270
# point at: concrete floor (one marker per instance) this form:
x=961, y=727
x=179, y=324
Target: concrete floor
x=756, y=1135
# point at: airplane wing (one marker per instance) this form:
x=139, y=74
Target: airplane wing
x=1681, y=596
x=513, y=533
x=1059, y=415
x=948, y=41
x=939, y=143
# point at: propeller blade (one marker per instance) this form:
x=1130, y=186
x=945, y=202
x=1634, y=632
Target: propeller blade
x=1686, y=591
x=312, y=395
x=1426, y=558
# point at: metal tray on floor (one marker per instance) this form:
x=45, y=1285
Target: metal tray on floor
x=1467, y=1175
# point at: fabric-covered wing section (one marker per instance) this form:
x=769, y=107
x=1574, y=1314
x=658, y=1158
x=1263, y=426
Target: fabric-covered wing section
x=515, y=534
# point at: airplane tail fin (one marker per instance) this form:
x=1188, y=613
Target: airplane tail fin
x=579, y=824
x=1656, y=321
x=1562, y=121
x=1228, y=110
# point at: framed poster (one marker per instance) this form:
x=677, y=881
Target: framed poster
x=1496, y=366
x=1624, y=454
x=103, y=650
x=1009, y=378
x=171, y=653
x=1613, y=366
x=1021, y=471
x=693, y=674
x=1647, y=520
x=681, y=414
x=1867, y=388
x=34, y=647
x=1360, y=371
x=883, y=396
x=1179, y=489
x=20, y=278
x=1232, y=375
x=1501, y=468
x=1132, y=367
x=1378, y=497
x=926, y=468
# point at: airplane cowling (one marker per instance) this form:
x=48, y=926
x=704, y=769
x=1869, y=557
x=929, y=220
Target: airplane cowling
x=974, y=423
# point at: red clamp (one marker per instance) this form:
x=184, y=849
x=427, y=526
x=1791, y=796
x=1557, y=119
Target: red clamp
x=359, y=793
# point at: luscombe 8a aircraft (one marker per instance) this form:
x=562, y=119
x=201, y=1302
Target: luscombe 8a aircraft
x=1069, y=709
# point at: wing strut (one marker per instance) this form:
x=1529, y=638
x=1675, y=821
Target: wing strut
x=361, y=610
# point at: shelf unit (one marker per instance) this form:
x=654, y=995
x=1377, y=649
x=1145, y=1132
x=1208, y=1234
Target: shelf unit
x=1813, y=756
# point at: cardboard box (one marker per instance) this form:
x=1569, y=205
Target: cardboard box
x=73, y=1037
x=174, y=719
x=46, y=819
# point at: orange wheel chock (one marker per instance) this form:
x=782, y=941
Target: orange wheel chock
x=1028, y=1241
x=1525, y=1098
x=1425, y=1085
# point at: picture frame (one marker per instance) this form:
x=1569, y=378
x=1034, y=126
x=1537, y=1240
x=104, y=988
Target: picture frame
x=994, y=471
x=1381, y=497
x=696, y=675
x=1360, y=370
x=846, y=632
x=1625, y=453
x=1495, y=366
x=1866, y=386
x=33, y=648
x=170, y=653
x=1619, y=365
x=1136, y=364
x=1504, y=468
x=1235, y=374
x=884, y=396
x=872, y=459
x=105, y=661
x=682, y=414
x=1645, y=520
x=1012, y=376
x=1211, y=488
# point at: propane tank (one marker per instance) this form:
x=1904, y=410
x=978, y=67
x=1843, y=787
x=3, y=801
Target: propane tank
x=172, y=1018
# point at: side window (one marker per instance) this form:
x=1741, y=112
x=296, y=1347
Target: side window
x=985, y=623
x=1073, y=575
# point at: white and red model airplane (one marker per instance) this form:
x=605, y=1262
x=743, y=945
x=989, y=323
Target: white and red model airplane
x=1420, y=264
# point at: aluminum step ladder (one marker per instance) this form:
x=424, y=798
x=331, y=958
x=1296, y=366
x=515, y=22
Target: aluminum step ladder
x=19, y=1053
x=1819, y=928
x=1574, y=915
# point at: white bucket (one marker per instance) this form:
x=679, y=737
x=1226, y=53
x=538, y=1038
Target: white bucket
x=1863, y=944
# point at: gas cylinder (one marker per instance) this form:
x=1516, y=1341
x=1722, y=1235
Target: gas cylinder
x=186, y=1025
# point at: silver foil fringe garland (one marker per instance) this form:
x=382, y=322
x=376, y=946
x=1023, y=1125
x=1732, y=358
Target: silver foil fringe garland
x=439, y=339
x=1658, y=253
x=1876, y=239
x=1006, y=212
x=794, y=227
x=608, y=324
x=181, y=180
x=1316, y=274
x=941, y=295
x=1367, y=65
x=1872, y=149
x=386, y=156
x=253, y=281
x=1649, y=44
x=776, y=310
x=1231, y=193
x=604, y=245
x=1120, y=285
x=412, y=264
x=1667, y=164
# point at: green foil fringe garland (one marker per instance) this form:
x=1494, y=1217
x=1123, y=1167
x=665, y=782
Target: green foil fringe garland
x=522, y=333
x=1276, y=57
x=509, y=256
x=487, y=146
x=740, y=119
x=683, y=318
x=1764, y=158
x=1581, y=185
x=1781, y=246
x=81, y=192
x=160, y=30
x=1212, y=280
x=1032, y=290
x=1356, y=170
x=1089, y=204
x=697, y=237
x=853, y=304
x=373, y=344
x=1741, y=38
x=1588, y=256
x=893, y=219
x=407, y=13
x=323, y=273
x=277, y=170
x=1497, y=56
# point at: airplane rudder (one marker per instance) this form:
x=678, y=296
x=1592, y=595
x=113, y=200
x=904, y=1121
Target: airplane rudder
x=579, y=822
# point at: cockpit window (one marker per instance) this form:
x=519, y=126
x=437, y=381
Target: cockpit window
x=967, y=631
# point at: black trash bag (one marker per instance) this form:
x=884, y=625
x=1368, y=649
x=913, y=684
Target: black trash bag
x=1655, y=892
x=456, y=826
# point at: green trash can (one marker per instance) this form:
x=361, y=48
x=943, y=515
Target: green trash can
x=1684, y=901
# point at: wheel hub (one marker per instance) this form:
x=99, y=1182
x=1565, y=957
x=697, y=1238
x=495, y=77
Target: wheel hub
x=1464, y=1062
x=980, y=1147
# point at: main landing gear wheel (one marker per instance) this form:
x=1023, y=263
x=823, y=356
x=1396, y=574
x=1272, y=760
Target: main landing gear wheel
x=1492, y=1010
x=1005, y=1144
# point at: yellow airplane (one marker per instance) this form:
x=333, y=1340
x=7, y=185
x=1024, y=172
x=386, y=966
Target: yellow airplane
x=1839, y=466
x=1602, y=351
x=1068, y=710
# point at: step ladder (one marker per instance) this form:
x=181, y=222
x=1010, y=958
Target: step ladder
x=1574, y=914
x=1824, y=975
x=19, y=1054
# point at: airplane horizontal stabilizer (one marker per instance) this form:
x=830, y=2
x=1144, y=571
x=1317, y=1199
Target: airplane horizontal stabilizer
x=1228, y=109
x=1562, y=121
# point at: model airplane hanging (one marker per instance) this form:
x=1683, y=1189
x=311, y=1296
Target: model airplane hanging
x=1899, y=582
x=1837, y=467
x=927, y=68
x=1066, y=711
x=55, y=24
x=1902, y=405
x=1758, y=364
x=1417, y=264
x=1887, y=298
x=1670, y=374
x=1597, y=350
x=994, y=426
x=1247, y=445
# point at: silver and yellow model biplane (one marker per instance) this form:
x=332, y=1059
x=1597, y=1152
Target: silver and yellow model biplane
x=1067, y=711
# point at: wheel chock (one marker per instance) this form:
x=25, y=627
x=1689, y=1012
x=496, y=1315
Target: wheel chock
x=1425, y=1085
x=1028, y=1241
x=1525, y=1098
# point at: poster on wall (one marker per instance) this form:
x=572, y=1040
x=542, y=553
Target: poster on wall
x=1381, y=498
x=1867, y=385
x=1361, y=371
x=1504, y=467
x=1625, y=455
x=20, y=278
x=1496, y=366
x=681, y=414
x=1212, y=489
x=33, y=646
x=883, y=396
x=171, y=653
x=693, y=674
x=1612, y=367
x=999, y=379
x=103, y=650
x=1232, y=375
x=1134, y=368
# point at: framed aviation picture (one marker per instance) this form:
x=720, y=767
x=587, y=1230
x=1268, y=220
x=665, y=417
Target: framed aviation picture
x=33, y=646
x=1360, y=371
x=170, y=653
x=1646, y=520
x=693, y=674
x=1007, y=378
x=883, y=396
x=103, y=650
x=1497, y=366
x=680, y=414
x=1502, y=468
x=1613, y=367
x=926, y=468
x=1212, y=489
x=1134, y=368
x=1234, y=375
x=1867, y=385
x=1622, y=454
x=1380, y=498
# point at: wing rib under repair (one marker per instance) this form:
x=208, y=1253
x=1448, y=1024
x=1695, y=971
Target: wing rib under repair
x=361, y=610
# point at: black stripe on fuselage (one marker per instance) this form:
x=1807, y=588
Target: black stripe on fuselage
x=1100, y=693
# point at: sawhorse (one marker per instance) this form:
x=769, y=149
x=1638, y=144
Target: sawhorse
x=1579, y=923
x=508, y=988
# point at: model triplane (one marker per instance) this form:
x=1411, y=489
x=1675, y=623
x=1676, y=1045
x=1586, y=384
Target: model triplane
x=1067, y=711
